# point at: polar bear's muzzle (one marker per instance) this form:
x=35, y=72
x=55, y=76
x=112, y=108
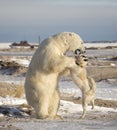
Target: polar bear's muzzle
x=78, y=52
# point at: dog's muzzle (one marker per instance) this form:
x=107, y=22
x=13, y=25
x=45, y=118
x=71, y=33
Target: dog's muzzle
x=85, y=60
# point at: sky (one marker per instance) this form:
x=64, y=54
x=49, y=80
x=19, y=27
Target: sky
x=93, y=20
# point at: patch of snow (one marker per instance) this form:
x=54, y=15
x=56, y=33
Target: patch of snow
x=67, y=107
x=5, y=45
x=112, y=64
x=11, y=101
x=88, y=45
x=106, y=90
x=12, y=79
x=23, y=62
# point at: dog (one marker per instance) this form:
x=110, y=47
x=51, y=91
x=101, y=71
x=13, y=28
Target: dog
x=86, y=84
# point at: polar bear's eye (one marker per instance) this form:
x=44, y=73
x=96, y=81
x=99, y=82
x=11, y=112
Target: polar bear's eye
x=77, y=51
x=70, y=34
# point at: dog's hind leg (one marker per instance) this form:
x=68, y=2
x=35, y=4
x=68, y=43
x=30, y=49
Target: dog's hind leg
x=84, y=106
x=92, y=103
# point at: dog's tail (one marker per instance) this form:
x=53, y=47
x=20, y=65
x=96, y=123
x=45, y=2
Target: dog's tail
x=92, y=84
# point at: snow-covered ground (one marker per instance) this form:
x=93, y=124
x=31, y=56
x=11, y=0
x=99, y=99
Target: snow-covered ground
x=5, y=45
x=105, y=90
x=68, y=125
x=101, y=45
x=88, y=45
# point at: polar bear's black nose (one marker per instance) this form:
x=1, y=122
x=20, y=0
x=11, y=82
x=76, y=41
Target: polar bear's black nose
x=78, y=51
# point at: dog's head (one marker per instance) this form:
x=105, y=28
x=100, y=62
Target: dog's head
x=81, y=60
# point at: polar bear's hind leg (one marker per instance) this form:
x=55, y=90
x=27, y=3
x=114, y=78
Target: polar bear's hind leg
x=42, y=106
x=54, y=104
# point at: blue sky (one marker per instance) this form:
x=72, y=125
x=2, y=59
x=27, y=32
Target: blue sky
x=28, y=19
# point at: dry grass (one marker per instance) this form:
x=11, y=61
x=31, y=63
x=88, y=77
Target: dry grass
x=98, y=102
x=18, y=49
x=14, y=90
x=102, y=73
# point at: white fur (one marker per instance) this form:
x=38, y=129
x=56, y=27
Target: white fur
x=41, y=85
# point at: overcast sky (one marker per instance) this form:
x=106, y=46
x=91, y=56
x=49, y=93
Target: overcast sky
x=28, y=19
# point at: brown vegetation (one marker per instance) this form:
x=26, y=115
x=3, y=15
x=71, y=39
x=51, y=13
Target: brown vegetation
x=102, y=73
x=11, y=67
x=98, y=102
x=9, y=89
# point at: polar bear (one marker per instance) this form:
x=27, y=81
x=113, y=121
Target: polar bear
x=49, y=60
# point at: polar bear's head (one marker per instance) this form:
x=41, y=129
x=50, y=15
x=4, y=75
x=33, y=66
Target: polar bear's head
x=75, y=43
x=70, y=41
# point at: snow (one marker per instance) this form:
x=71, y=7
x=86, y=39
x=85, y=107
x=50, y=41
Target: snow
x=66, y=107
x=68, y=125
x=5, y=45
x=22, y=62
x=104, y=89
x=70, y=108
x=11, y=101
x=88, y=45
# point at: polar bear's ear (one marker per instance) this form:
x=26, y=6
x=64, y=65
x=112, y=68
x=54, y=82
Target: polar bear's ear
x=70, y=34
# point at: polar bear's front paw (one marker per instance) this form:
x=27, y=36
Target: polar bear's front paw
x=57, y=117
x=54, y=118
x=42, y=117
